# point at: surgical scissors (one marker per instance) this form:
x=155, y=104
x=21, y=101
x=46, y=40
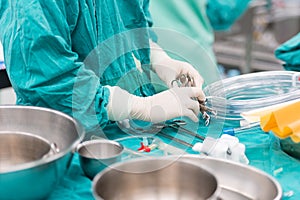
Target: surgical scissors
x=183, y=81
x=186, y=81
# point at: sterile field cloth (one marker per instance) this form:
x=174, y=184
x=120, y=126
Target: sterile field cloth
x=262, y=149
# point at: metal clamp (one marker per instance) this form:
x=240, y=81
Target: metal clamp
x=186, y=81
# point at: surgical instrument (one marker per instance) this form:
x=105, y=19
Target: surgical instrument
x=163, y=134
x=186, y=81
x=177, y=124
x=174, y=125
x=183, y=81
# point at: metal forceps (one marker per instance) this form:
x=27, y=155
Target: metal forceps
x=186, y=81
x=177, y=125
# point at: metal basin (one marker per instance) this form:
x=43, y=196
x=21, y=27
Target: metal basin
x=36, y=178
x=95, y=155
x=155, y=178
x=237, y=181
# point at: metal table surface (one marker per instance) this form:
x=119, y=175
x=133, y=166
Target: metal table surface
x=262, y=149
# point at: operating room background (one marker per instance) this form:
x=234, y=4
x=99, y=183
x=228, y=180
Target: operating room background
x=250, y=43
x=7, y=94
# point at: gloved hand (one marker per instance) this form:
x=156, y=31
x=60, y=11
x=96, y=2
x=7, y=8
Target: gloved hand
x=169, y=69
x=227, y=147
x=163, y=106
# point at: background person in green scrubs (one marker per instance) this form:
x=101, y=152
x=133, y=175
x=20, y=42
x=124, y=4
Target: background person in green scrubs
x=91, y=60
x=197, y=19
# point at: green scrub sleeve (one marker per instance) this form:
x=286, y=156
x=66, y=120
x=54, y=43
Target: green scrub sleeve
x=43, y=69
x=289, y=52
x=223, y=13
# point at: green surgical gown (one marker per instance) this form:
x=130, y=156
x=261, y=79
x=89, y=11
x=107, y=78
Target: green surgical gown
x=187, y=17
x=197, y=19
x=223, y=13
x=289, y=52
x=60, y=54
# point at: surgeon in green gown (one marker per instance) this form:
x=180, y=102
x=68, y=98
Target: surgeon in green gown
x=91, y=59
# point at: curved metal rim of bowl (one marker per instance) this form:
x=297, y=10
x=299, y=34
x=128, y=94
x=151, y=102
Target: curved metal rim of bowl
x=99, y=141
x=248, y=167
x=163, y=158
x=55, y=156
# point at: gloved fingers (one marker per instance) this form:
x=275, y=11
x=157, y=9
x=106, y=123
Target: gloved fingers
x=195, y=92
x=200, y=94
x=166, y=73
x=169, y=79
x=189, y=70
x=197, y=78
x=193, y=105
x=190, y=114
x=190, y=106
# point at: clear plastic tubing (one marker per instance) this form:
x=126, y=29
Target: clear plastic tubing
x=232, y=96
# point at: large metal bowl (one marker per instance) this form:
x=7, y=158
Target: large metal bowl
x=37, y=178
x=155, y=178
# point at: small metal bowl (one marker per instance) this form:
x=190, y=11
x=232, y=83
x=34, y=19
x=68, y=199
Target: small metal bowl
x=95, y=155
x=155, y=178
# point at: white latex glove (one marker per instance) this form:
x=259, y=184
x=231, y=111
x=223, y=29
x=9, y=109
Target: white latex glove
x=169, y=69
x=163, y=106
x=227, y=147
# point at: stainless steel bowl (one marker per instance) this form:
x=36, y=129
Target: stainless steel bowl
x=238, y=181
x=37, y=179
x=95, y=155
x=155, y=178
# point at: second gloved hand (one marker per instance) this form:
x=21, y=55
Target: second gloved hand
x=169, y=69
x=163, y=106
